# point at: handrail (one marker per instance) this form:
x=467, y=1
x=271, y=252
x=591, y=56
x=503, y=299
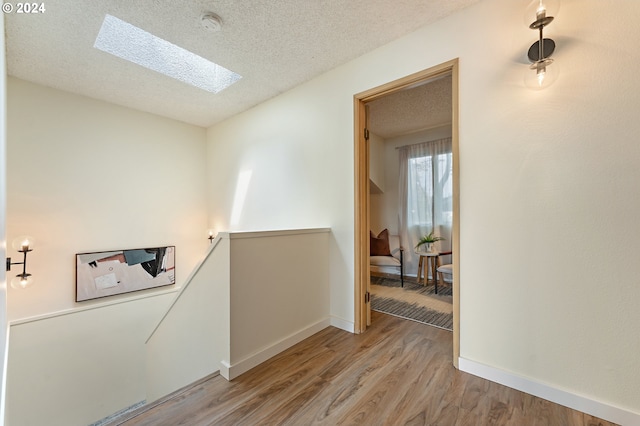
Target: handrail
x=213, y=245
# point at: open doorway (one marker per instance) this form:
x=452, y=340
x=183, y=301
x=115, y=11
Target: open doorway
x=368, y=106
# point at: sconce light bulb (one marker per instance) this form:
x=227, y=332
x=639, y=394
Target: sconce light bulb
x=22, y=281
x=542, y=11
x=23, y=243
x=540, y=75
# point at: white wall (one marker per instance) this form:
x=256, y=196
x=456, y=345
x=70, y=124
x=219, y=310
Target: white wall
x=548, y=185
x=193, y=337
x=301, y=172
x=85, y=175
x=279, y=292
x=376, y=163
x=254, y=295
x=78, y=368
x=3, y=283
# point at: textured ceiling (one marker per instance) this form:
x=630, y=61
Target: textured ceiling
x=274, y=45
x=411, y=110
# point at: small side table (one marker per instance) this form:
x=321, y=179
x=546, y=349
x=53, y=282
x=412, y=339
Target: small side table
x=431, y=264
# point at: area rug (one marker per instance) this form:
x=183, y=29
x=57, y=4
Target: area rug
x=411, y=285
x=414, y=302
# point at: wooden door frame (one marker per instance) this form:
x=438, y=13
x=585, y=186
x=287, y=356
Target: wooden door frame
x=361, y=159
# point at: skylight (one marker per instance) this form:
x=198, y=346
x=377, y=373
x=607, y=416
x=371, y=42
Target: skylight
x=129, y=42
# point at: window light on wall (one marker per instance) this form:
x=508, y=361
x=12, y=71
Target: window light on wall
x=133, y=44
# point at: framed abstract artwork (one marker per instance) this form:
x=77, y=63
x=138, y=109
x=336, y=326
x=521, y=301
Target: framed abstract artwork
x=107, y=273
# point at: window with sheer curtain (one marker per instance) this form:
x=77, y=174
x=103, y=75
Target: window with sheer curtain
x=426, y=194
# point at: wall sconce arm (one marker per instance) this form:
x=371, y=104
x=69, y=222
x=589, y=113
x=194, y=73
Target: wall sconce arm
x=23, y=245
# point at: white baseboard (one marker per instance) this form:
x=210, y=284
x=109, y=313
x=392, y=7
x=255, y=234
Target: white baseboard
x=232, y=370
x=581, y=403
x=343, y=324
x=224, y=369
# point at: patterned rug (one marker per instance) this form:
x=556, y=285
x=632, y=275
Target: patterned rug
x=410, y=284
x=433, y=309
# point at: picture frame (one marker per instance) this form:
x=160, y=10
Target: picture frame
x=109, y=273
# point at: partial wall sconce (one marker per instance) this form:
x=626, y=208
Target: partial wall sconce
x=24, y=245
x=211, y=236
x=541, y=74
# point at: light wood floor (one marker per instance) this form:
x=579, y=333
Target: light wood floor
x=397, y=373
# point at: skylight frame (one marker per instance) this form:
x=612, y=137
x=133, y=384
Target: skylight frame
x=128, y=42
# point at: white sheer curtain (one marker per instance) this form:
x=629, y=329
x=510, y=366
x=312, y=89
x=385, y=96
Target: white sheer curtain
x=426, y=196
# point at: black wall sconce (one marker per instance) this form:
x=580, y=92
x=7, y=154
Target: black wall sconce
x=24, y=245
x=211, y=237
x=541, y=74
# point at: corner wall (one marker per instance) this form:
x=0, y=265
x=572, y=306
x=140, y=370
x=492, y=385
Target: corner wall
x=377, y=164
x=254, y=295
x=298, y=149
x=279, y=293
x=193, y=337
x=85, y=175
x=78, y=368
x=548, y=186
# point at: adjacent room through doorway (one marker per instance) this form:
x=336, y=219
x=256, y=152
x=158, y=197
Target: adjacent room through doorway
x=410, y=197
x=407, y=199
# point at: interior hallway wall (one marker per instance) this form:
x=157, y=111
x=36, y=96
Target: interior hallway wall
x=548, y=185
x=85, y=175
x=376, y=164
x=298, y=175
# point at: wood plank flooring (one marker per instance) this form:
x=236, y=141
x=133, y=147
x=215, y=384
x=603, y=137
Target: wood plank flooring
x=397, y=373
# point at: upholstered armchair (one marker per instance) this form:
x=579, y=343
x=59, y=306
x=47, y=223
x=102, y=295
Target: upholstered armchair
x=386, y=254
